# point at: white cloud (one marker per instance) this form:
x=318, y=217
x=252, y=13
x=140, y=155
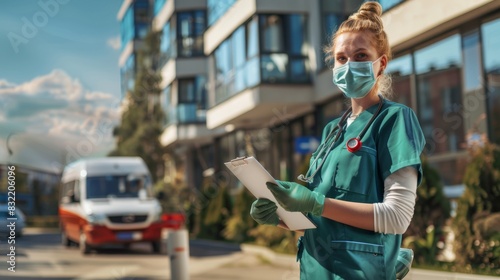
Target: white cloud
x=57, y=106
x=114, y=42
x=5, y=84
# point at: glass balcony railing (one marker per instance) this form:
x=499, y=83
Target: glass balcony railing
x=185, y=114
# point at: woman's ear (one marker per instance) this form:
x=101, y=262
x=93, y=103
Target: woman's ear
x=383, y=64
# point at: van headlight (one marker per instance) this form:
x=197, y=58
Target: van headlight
x=97, y=219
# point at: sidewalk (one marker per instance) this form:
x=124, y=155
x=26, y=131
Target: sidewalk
x=251, y=263
x=260, y=263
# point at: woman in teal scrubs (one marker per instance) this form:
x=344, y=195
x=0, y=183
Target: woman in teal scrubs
x=362, y=180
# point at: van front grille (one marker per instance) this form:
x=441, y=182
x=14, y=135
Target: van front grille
x=128, y=219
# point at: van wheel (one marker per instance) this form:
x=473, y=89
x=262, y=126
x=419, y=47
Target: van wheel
x=65, y=240
x=84, y=247
x=156, y=247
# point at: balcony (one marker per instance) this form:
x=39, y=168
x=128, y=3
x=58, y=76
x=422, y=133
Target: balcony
x=263, y=105
x=186, y=124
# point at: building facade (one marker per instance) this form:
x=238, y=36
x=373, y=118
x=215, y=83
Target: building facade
x=248, y=77
x=36, y=190
x=135, y=18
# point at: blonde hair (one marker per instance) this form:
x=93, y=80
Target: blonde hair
x=368, y=18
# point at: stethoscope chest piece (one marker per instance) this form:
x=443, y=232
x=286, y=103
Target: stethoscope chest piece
x=353, y=145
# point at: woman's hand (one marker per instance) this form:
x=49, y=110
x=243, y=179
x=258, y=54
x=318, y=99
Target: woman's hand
x=263, y=211
x=297, y=198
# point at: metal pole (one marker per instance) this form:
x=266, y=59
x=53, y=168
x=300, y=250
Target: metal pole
x=178, y=251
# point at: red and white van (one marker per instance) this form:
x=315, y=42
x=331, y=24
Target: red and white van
x=108, y=201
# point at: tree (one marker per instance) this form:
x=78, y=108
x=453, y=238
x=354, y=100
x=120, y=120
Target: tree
x=142, y=121
x=477, y=224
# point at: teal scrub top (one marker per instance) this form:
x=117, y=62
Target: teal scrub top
x=337, y=251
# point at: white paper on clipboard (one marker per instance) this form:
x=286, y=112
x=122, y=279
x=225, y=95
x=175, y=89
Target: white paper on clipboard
x=254, y=177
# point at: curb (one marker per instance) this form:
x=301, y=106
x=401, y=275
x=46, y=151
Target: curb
x=216, y=244
x=36, y=230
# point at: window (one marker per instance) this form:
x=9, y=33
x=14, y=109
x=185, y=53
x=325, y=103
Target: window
x=127, y=29
x=117, y=186
x=223, y=67
x=252, y=71
x=278, y=54
x=128, y=75
x=190, y=28
x=472, y=61
x=491, y=63
x=284, y=49
x=273, y=37
x=192, y=100
x=237, y=62
x=439, y=95
x=158, y=6
x=141, y=18
x=387, y=4
x=217, y=8
x=167, y=44
x=444, y=54
x=182, y=36
x=239, y=58
x=135, y=23
x=400, y=70
x=473, y=95
x=72, y=191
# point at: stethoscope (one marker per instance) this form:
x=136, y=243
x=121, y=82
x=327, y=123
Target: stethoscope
x=353, y=145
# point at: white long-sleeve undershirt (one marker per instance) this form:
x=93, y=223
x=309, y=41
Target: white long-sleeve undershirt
x=394, y=214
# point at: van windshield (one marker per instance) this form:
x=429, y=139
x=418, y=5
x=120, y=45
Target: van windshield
x=118, y=186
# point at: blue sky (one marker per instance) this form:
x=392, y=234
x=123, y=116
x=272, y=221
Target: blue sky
x=59, y=75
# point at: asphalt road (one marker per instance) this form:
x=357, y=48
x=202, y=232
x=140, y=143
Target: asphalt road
x=40, y=255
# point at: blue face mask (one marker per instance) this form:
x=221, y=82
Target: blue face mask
x=355, y=79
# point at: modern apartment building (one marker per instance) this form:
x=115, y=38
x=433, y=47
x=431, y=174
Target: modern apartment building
x=248, y=77
x=183, y=67
x=135, y=22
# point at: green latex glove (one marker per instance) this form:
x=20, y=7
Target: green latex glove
x=263, y=211
x=297, y=198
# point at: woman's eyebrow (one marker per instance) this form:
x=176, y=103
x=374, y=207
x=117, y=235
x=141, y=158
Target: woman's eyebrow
x=355, y=51
x=359, y=50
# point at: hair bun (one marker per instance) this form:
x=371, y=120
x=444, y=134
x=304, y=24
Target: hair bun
x=370, y=9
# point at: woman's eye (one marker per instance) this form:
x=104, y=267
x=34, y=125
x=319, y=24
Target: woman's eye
x=361, y=56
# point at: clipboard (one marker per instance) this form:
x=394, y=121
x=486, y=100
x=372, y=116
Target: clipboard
x=254, y=177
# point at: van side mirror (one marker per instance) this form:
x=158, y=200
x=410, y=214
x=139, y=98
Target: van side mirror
x=70, y=198
x=65, y=200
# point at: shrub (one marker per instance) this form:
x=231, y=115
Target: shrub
x=477, y=224
x=278, y=239
x=432, y=209
x=240, y=222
